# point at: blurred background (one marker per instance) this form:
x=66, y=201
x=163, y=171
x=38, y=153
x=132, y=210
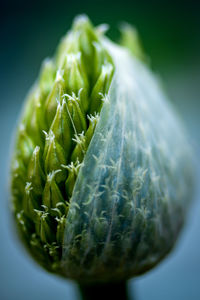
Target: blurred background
x=170, y=32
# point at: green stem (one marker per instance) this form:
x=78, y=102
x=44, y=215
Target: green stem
x=105, y=291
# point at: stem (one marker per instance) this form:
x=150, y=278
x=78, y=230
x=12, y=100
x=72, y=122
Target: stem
x=105, y=291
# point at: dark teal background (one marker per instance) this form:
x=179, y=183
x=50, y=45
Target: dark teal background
x=30, y=31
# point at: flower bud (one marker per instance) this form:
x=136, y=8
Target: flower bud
x=101, y=173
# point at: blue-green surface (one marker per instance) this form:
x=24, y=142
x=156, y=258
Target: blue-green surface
x=171, y=37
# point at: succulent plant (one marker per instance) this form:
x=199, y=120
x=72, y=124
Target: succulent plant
x=101, y=170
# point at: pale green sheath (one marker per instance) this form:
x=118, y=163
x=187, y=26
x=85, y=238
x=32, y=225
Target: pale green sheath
x=102, y=170
x=132, y=192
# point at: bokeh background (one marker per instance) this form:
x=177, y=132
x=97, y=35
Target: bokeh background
x=170, y=32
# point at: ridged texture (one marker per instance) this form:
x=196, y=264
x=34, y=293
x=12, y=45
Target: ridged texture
x=55, y=129
x=135, y=187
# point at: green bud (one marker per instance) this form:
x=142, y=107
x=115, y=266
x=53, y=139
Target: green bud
x=100, y=88
x=54, y=97
x=73, y=169
x=102, y=174
x=25, y=144
x=35, y=172
x=130, y=39
x=54, y=157
x=52, y=194
x=47, y=76
x=75, y=77
x=62, y=128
